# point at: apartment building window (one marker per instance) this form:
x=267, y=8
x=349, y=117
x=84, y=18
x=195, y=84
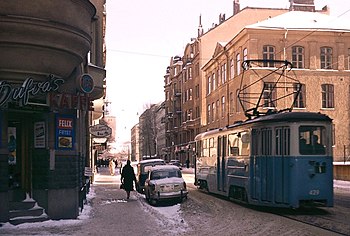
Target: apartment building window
x=197, y=112
x=218, y=76
x=167, y=96
x=190, y=94
x=232, y=68
x=268, y=54
x=208, y=114
x=348, y=59
x=213, y=81
x=326, y=58
x=214, y=112
x=190, y=73
x=327, y=95
x=197, y=70
x=298, y=57
x=217, y=113
x=238, y=104
x=197, y=90
x=231, y=103
x=209, y=85
x=223, y=106
x=238, y=63
x=190, y=114
x=245, y=54
x=223, y=73
x=299, y=102
x=269, y=96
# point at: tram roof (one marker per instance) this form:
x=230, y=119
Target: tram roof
x=277, y=117
x=288, y=117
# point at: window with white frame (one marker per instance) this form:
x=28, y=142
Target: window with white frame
x=232, y=68
x=217, y=113
x=231, y=102
x=298, y=57
x=223, y=111
x=326, y=58
x=269, y=95
x=190, y=73
x=327, y=95
x=245, y=54
x=299, y=99
x=238, y=63
x=214, y=112
x=268, y=54
x=209, y=85
x=213, y=81
x=223, y=73
x=208, y=114
x=238, y=104
x=348, y=59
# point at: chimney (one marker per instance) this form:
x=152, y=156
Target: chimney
x=302, y=5
x=200, y=28
x=236, y=7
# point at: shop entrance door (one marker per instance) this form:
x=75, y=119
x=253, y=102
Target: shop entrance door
x=20, y=148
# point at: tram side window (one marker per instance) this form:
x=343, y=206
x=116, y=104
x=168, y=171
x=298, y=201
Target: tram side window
x=239, y=144
x=205, y=149
x=212, y=147
x=312, y=140
x=266, y=142
x=282, y=141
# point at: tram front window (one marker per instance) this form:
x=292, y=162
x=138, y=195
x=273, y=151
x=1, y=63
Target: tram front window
x=312, y=140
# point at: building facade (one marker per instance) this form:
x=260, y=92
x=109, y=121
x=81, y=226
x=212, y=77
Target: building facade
x=185, y=82
x=52, y=67
x=202, y=86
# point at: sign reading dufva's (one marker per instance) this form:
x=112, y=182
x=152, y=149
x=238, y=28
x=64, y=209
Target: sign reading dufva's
x=21, y=94
x=65, y=132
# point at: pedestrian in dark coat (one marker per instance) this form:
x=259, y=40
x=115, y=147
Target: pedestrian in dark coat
x=128, y=178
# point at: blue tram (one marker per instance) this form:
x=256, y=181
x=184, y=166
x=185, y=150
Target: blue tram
x=278, y=160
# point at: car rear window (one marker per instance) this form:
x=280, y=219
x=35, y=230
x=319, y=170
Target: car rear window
x=162, y=174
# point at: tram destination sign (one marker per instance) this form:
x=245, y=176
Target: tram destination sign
x=100, y=131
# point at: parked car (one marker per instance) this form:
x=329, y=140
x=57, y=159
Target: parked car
x=142, y=171
x=163, y=183
x=176, y=163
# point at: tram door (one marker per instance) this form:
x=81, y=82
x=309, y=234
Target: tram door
x=221, y=165
x=20, y=139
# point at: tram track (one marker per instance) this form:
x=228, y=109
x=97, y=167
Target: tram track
x=333, y=220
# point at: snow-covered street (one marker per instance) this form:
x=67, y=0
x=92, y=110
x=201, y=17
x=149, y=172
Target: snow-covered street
x=107, y=212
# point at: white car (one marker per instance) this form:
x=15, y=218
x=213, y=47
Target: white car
x=165, y=182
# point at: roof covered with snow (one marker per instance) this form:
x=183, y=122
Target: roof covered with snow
x=300, y=20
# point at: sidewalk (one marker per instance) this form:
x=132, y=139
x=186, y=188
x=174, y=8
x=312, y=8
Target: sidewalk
x=107, y=212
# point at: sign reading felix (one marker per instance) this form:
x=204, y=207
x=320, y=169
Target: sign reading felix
x=64, y=132
x=100, y=131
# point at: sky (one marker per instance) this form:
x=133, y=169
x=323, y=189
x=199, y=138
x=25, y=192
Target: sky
x=142, y=36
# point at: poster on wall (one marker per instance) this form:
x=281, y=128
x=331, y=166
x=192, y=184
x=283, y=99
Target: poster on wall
x=11, y=145
x=65, y=132
x=39, y=134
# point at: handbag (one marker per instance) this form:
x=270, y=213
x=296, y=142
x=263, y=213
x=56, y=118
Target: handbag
x=121, y=186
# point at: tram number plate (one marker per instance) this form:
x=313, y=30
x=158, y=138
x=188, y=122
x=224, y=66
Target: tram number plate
x=314, y=192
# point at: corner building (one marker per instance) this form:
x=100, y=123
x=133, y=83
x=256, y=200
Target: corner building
x=51, y=69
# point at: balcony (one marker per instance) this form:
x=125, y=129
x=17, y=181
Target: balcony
x=44, y=37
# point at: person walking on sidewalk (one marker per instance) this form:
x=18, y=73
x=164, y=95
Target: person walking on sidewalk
x=128, y=178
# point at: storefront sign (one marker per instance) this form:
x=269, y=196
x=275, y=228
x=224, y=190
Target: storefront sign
x=69, y=101
x=65, y=132
x=100, y=131
x=9, y=92
x=39, y=135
